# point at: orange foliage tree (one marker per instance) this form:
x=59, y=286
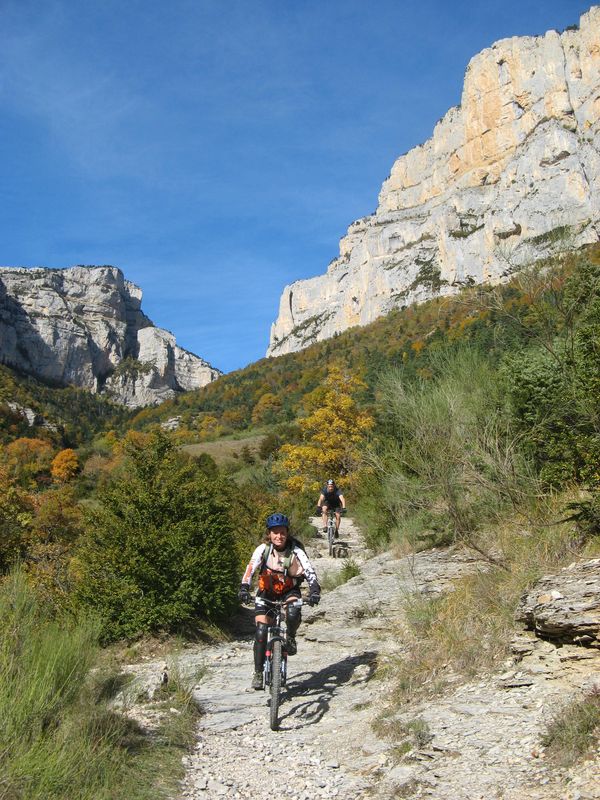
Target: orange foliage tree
x=331, y=435
x=28, y=460
x=65, y=465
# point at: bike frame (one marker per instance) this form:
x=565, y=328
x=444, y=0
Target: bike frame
x=275, y=666
x=331, y=530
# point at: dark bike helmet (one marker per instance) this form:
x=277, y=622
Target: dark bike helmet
x=330, y=482
x=273, y=520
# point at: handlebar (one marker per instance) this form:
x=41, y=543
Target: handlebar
x=297, y=602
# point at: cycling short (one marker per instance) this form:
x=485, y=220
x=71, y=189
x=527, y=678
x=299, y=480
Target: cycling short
x=261, y=608
x=332, y=507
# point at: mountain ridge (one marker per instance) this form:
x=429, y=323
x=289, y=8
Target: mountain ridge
x=504, y=175
x=84, y=326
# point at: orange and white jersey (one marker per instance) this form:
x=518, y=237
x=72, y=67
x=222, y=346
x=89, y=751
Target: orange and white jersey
x=267, y=557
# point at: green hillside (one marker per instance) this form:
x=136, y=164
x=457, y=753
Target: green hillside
x=65, y=416
x=272, y=391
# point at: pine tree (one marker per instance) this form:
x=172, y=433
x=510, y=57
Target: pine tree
x=159, y=550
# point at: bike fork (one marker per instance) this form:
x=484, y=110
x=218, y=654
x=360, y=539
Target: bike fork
x=267, y=667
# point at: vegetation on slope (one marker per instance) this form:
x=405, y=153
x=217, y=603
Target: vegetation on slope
x=66, y=416
x=58, y=736
x=499, y=452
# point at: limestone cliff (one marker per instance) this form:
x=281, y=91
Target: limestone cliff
x=84, y=326
x=514, y=168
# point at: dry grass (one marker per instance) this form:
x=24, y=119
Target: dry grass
x=406, y=735
x=224, y=450
x=468, y=631
x=574, y=730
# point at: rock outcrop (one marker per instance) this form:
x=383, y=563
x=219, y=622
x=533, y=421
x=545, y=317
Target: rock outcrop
x=505, y=175
x=84, y=326
x=566, y=607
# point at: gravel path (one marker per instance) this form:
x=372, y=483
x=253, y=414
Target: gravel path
x=483, y=739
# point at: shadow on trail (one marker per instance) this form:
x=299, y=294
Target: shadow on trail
x=309, y=694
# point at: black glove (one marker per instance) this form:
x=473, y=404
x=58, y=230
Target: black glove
x=314, y=599
x=244, y=594
x=318, y=511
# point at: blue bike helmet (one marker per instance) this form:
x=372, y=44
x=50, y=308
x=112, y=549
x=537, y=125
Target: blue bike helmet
x=273, y=520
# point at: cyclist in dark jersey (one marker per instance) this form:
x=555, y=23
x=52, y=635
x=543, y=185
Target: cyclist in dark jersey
x=331, y=497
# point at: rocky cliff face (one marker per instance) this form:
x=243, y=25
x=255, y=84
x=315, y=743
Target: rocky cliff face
x=84, y=326
x=514, y=168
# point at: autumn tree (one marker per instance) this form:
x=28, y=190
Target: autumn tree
x=266, y=409
x=331, y=434
x=28, y=460
x=65, y=465
x=55, y=528
x=16, y=514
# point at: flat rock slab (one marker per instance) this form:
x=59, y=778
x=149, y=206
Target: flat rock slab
x=565, y=607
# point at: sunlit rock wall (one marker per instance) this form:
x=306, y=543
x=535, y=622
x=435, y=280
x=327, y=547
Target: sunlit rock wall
x=512, y=170
x=84, y=326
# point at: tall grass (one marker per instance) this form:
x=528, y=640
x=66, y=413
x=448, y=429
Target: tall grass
x=446, y=463
x=58, y=738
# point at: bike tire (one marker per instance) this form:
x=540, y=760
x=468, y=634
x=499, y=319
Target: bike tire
x=330, y=532
x=275, y=686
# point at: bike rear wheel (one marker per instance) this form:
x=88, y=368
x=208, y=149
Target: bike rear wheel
x=275, y=685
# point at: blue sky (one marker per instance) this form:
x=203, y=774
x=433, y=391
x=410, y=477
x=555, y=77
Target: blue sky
x=217, y=150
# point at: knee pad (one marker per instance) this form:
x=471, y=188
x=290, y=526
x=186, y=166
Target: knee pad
x=261, y=632
x=294, y=617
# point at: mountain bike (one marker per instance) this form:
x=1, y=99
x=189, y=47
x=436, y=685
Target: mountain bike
x=275, y=666
x=331, y=532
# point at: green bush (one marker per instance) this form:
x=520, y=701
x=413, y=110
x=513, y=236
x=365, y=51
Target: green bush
x=445, y=462
x=158, y=552
x=553, y=385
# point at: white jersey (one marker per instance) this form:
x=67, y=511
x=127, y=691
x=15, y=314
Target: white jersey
x=299, y=565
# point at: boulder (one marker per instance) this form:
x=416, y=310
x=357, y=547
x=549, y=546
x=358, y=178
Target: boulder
x=565, y=607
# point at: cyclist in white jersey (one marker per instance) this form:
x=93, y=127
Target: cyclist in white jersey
x=282, y=565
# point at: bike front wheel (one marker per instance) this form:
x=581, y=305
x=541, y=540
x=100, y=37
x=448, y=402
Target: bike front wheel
x=330, y=539
x=275, y=685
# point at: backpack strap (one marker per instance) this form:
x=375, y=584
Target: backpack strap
x=287, y=559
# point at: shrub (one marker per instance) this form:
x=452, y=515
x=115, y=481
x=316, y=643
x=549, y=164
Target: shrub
x=446, y=462
x=553, y=384
x=350, y=569
x=158, y=551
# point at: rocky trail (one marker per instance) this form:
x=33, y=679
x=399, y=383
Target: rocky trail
x=482, y=739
